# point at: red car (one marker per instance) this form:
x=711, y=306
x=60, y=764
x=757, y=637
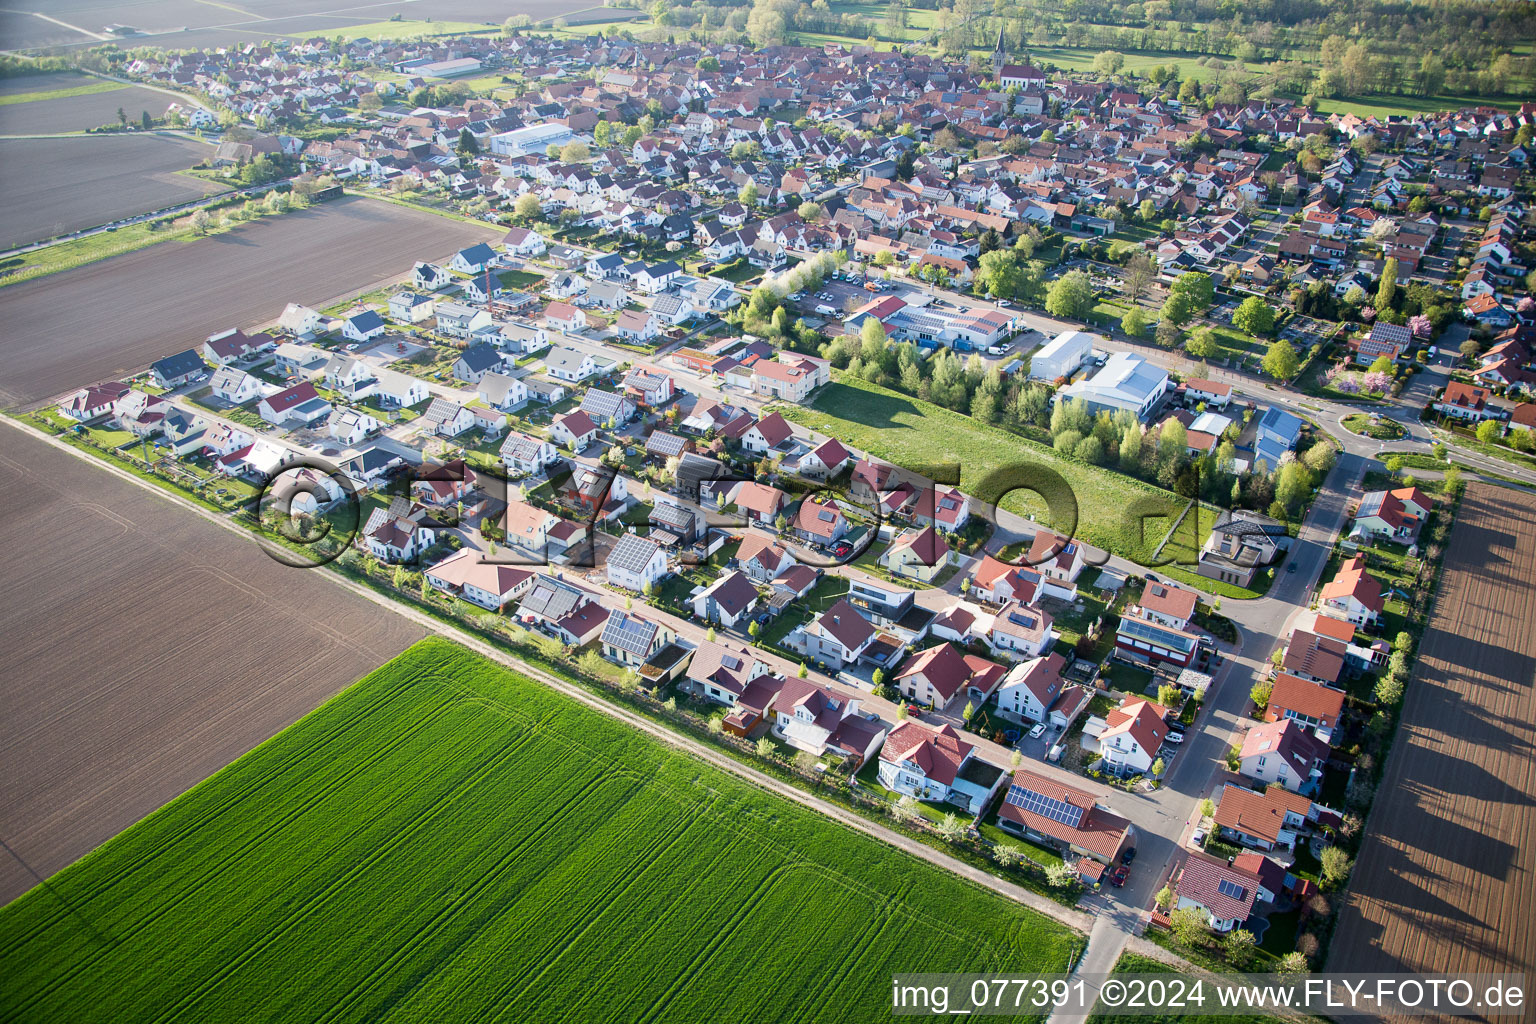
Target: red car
x=1118, y=876
x=914, y=711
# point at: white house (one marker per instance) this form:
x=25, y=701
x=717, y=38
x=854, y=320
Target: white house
x=503, y=391
x=490, y=585
x=728, y=601
x=523, y=338
x=524, y=242
x=1129, y=737
x=235, y=386
x=1031, y=688
x=363, y=326
x=298, y=406
x=473, y=259
x=1283, y=752
x=569, y=364
x=524, y=454
x=936, y=765
x=410, y=307
x=430, y=277
x=636, y=563
x=396, y=388
x=352, y=426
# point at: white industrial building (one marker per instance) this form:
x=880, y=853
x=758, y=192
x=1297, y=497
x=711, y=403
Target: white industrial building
x=1062, y=355
x=535, y=138
x=1125, y=381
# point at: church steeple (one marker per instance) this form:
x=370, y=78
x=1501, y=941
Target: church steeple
x=999, y=54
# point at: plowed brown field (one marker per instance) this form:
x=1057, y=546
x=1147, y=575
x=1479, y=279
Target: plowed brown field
x=1446, y=880
x=145, y=649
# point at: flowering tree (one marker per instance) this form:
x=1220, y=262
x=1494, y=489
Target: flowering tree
x=1349, y=385
x=1526, y=304
x=1420, y=326
x=1368, y=314
x=1376, y=383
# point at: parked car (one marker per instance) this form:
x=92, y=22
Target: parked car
x=1128, y=856
x=914, y=711
x=1118, y=876
x=1037, y=731
x=1175, y=738
x=1197, y=841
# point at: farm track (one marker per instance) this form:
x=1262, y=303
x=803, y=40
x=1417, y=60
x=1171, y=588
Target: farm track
x=1444, y=881
x=132, y=671
x=117, y=316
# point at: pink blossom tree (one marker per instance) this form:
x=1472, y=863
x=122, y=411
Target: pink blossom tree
x=1420, y=326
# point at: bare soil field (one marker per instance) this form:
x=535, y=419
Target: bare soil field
x=194, y=23
x=75, y=113
x=1444, y=881
x=110, y=318
x=145, y=649
x=50, y=187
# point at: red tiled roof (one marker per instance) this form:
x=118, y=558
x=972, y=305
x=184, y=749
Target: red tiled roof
x=938, y=752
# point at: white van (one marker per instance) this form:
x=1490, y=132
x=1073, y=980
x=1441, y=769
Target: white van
x=825, y=310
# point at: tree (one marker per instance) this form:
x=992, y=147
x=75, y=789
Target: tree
x=1207, y=808
x=1177, y=309
x=145, y=121
x=1188, y=926
x=1281, y=362
x=748, y=195
x=810, y=212
x=950, y=828
x=1167, y=334
x=1109, y=62
x=1158, y=767
x=1061, y=875
x=1168, y=695
x=122, y=117
x=1164, y=897
x=575, y=152
x=200, y=221
x=1197, y=287
x=1386, y=291
x=527, y=207
x=765, y=747
x=1201, y=343
x=1260, y=694
x=1070, y=295
x=1255, y=316
x=1336, y=867
x=1008, y=854
x=1489, y=431
x=753, y=629
x=1238, y=945
x=1134, y=322
x=1294, y=963
x=1139, y=275
x=999, y=273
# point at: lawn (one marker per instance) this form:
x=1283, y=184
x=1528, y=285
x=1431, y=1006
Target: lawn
x=1098, y=506
x=449, y=838
x=1372, y=427
x=90, y=88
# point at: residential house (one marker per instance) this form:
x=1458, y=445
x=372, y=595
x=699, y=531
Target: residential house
x=1264, y=820
x=728, y=601
x=1277, y=433
x=1063, y=818
x=823, y=722
x=400, y=390
x=523, y=453
x=818, y=521
x=935, y=764
x=1168, y=605
x=1001, y=583
x=649, y=388
x=563, y=316
x=364, y=325
x=824, y=461
x=295, y=407
x=918, y=554
x=792, y=380
x=839, y=636
x=766, y=434
x=1306, y=702
x=761, y=557
x=1241, y=544
x=1353, y=594
x=181, y=368
x=564, y=610
x=636, y=563
x=569, y=364
x=447, y=418
x=410, y=307
x=938, y=675
x=722, y=673
x=1149, y=642
x=503, y=392
x=574, y=430
x=1223, y=893
x=1031, y=688
x=1470, y=402
x=1020, y=631
x=1059, y=561
x=1283, y=752
x=1396, y=515
x=631, y=640
x=1128, y=738
x=608, y=408
x=234, y=386
x=475, y=362
x=489, y=584
x=352, y=426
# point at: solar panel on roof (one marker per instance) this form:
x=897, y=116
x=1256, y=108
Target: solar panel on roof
x=1045, y=806
x=1227, y=887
